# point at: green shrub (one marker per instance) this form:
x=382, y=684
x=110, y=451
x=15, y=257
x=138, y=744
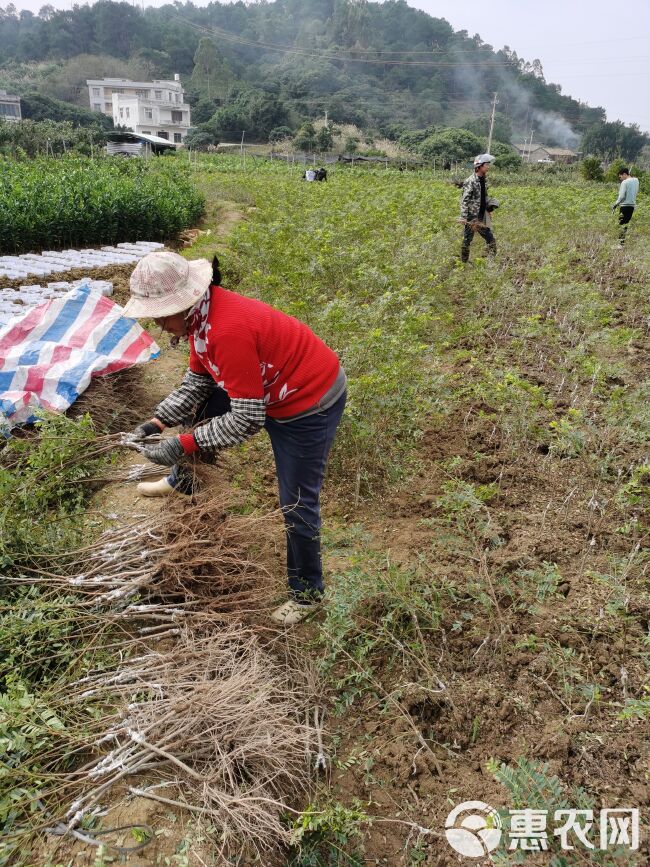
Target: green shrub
x=509, y=161
x=612, y=172
x=591, y=169
x=451, y=144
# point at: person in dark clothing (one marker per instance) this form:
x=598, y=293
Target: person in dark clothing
x=475, y=208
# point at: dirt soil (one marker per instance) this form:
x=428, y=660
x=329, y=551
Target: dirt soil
x=503, y=695
x=501, y=699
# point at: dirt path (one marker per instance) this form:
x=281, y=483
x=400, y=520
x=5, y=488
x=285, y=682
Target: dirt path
x=177, y=834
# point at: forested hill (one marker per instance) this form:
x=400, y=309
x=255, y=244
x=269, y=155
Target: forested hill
x=373, y=64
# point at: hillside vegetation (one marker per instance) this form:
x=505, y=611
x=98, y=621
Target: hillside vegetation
x=257, y=67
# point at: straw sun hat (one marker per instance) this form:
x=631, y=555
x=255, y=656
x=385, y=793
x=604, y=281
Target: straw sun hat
x=164, y=283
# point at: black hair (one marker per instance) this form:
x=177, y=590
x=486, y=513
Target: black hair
x=216, y=272
x=624, y=171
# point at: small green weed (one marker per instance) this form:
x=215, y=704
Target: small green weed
x=329, y=836
x=568, y=438
x=370, y=613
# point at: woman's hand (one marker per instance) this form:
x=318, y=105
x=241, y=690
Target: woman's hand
x=146, y=429
x=167, y=453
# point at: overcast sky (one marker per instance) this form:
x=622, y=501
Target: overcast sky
x=597, y=51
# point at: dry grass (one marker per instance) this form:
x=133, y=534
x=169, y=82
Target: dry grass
x=220, y=724
x=209, y=707
x=114, y=401
x=196, y=555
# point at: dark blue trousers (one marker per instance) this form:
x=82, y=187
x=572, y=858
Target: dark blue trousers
x=300, y=448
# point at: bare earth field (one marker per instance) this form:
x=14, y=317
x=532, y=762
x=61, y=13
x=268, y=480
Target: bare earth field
x=485, y=636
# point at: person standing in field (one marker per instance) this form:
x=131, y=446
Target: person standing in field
x=626, y=202
x=250, y=367
x=475, y=208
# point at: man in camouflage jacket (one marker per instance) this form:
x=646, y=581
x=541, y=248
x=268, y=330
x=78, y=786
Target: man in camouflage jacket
x=475, y=207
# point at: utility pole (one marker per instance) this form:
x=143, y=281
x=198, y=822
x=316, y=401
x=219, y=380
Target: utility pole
x=530, y=146
x=494, y=108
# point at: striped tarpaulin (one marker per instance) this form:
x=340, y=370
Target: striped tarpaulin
x=49, y=354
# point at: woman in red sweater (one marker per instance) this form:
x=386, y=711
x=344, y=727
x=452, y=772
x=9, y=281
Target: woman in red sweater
x=251, y=366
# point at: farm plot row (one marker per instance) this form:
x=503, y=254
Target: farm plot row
x=508, y=399
x=486, y=630
x=76, y=201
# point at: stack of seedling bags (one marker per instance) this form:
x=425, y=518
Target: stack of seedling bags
x=57, y=261
x=15, y=302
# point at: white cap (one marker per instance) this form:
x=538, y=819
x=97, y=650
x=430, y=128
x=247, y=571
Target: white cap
x=483, y=158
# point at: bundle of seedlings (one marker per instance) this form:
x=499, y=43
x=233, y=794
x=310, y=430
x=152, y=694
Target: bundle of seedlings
x=213, y=725
x=196, y=556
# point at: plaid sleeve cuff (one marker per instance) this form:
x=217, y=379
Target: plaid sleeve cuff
x=246, y=417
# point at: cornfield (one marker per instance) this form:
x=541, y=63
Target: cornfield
x=75, y=201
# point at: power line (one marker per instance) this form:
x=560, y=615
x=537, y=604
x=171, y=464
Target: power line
x=341, y=55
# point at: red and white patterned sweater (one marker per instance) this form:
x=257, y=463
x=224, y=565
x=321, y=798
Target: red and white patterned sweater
x=268, y=362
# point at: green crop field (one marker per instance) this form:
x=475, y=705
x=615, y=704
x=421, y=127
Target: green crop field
x=77, y=201
x=485, y=635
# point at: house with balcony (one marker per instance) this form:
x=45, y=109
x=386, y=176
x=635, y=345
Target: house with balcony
x=155, y=108
x=9, y=106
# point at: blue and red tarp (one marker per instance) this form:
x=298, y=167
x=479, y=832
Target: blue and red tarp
x=49, y=354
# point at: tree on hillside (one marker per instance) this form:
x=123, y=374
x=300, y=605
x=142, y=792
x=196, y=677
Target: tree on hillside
x=350, y=23
x=204, y=110
x=210, y=76
x=306, y=137
x=119, y=28
x=251, y=112
x=30, y=41
x=325, y=138
x=153, y=63
x=611, y=140
x=480, y=126
x=68, y=81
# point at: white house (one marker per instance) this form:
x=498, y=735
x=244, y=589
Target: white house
x=155, y=108
x=9, y=106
